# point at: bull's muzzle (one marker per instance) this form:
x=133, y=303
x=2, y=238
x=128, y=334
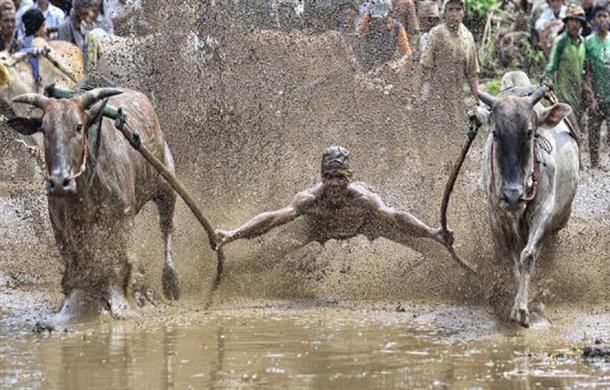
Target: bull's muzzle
x=512, y=194
x=61, y=185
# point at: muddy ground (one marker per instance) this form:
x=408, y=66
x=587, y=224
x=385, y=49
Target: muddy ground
x=247, y=113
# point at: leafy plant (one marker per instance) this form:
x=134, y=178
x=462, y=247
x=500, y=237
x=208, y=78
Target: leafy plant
x=479, y=8
x=493, y=87
x=535, y=55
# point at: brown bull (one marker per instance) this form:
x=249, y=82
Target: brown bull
x=93, y=197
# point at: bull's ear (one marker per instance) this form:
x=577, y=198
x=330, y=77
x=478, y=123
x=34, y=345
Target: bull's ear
x=551, y=116
x=25, y=126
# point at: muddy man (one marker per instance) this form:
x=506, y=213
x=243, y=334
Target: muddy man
x=338, y=208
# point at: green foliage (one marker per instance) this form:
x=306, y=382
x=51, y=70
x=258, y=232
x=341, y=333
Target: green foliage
x=493, y=87
x=536, y=56
x=479, y=8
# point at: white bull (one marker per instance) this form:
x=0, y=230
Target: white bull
x=530, y=175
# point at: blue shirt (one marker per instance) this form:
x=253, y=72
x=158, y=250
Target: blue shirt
x=53, y=17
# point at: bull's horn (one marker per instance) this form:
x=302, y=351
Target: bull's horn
x=538, y=94
x=487, y=98
x=35, y=99
x=91, y=97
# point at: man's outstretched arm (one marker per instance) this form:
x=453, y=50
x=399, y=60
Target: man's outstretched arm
x=264, y=222
x=405, y=222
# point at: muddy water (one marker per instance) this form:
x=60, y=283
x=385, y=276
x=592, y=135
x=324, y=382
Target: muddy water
x=309, y=345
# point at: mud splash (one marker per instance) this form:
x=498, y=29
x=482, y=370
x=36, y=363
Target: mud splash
x=247, y=112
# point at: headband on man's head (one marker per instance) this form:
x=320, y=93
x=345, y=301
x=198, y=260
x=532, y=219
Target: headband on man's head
x=336, y=158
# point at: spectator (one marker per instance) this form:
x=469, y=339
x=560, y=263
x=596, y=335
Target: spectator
x=345, y=15
x=550, y=23
x=22, y=4
x=104, y=16
x=82, y=19
x=566, y=63
x=450, y=56
x=428, y=18
x=33, y=21
x=52, y=14
x=34, y=24
x=588, y=7
x=287, y=18
x=405, y=13
x=597, y=80
x=7, y=25
x=64, y=5
x=380, y=37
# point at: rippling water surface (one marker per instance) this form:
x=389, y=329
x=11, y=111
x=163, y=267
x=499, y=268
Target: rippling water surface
x=295, y=348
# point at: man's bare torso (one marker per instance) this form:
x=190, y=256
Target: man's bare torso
x=344, y=219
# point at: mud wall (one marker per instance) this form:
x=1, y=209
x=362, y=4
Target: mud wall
x=248, y=112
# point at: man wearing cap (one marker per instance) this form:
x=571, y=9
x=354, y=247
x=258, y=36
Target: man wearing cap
x=567, y=61
x=381, y=38
x=338, y=208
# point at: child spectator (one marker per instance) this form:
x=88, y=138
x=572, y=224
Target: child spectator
x=33, y=22
x=597, y=80
x=53, y=15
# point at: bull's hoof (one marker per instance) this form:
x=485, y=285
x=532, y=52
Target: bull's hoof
x=171, y=287
x=79, y=306
x=520, y=315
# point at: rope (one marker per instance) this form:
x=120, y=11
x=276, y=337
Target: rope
x=472, y=133
x=136, y=142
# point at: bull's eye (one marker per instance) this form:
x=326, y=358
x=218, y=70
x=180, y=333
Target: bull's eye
x=529, y=133
x=79, y=128
x=494, y=134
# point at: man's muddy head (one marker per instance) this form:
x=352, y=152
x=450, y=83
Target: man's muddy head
x=336, y=173
x=335, y=158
